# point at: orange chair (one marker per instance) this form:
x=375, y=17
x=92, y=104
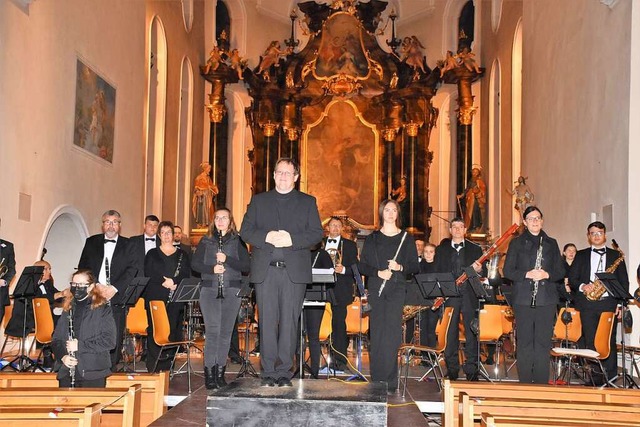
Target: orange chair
x=161, y=332
x=137, y=324
x=491, y=331
x=570, y=333
x=602, y=343
x=44, y=328
x=434, y=355
x=357, y=328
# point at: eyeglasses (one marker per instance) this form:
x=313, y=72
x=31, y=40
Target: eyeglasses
x=221, y=218
x=108, y=222
x=534, y=219
x=79, y=285
x=284, y=173
x=596, y=233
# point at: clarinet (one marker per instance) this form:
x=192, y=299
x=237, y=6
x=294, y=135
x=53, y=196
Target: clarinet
x=72, y=369
x=107, y=271
x=534, y=286
x=171, y=291
x=221, y=275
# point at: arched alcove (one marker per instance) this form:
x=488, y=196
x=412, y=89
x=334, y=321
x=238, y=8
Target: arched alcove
x=156, y=121
x=516, y=108
x=495, y=137
x=183, y=160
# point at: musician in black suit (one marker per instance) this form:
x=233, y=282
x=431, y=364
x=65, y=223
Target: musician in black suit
x=281, y=225
x=587, y=262
x=535, y=267
x=452, y=255
x=109, y=258
x=177, y=241
x=8, y=258
x=344, y=253
x=143, y=243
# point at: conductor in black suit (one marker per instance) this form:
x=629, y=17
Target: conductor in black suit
x=452, y=255
x=281, y=225
x=588, y=262
x=109, y=258
x=144, y=242
x=344, y=254
x=8, y=258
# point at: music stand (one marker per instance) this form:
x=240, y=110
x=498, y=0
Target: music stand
x=188, y=291
x=132, y=293
x=25, y=291
x=620, y=293
x=481, y=295
x=433, y=285
x=246, y=369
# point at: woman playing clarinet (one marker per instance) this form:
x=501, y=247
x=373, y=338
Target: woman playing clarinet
x=388, y=258
x=84, y=336
x=165, y=266
x=535, y=266
x=221, y=257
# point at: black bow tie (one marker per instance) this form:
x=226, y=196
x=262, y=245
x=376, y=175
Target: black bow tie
x=109, y=241
x=177, y=245
x=150, y=239
x=332, y=240
x=458, y=245
x=600, y=251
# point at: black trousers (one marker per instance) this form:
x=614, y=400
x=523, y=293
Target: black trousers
x=312, y=322
x=590, y=319
x=467, y=305
x=120, y=317
x=339, y=332
x=65, y=382
x=279, y=306
x=534, y=329
x=385, y=330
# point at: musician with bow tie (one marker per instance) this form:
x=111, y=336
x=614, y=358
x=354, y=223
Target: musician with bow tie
x=108, y=256
x=452, y=255
x=143, y=243
x=344, y=254
x=589, y=261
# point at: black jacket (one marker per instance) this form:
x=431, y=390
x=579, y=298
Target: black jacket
x=96, y=337
x=7, y=252
x=237, y=262
x=343, y=289
x=521, y=257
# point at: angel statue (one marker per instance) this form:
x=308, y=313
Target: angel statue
x=412, y=53
x=214, y=61
x=237, y=63
x=466, y=58
x=270, y=56
x=204, y=190
x=449, y=63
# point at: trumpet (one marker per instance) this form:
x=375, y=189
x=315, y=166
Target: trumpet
x=336, y=255
x=4, y=268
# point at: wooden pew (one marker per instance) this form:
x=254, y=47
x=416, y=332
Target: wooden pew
x=549, y=410
x=452, y=390
x=154, y=388
x=88, y=416
x=120, y=406
x=489, y=420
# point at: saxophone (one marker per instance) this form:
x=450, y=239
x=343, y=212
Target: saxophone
x=534, y=286
x=598, y=288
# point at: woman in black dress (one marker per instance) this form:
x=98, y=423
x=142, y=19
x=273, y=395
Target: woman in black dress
x=221, y=257
x=535, y=267
x=388, y=258
x=165, y=267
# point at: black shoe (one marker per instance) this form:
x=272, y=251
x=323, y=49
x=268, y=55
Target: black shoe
x=210, y=378
x=220, y=377
x=284, y=382
x=488, y=361
x=267, y=382
x=472, y=376
x=237, y=359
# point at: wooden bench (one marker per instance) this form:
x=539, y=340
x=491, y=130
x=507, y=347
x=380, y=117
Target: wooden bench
x=89, y=416
x=490, y=420
x=453, y=407
x=120, y=406
x=549, y=410
x=154, y=388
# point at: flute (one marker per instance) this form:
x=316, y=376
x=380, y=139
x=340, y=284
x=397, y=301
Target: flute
x=384, y=282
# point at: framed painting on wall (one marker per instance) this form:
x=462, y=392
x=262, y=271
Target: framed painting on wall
x=94, y=113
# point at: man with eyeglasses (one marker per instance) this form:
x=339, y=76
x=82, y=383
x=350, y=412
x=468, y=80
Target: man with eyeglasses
x=108, y=256
x=452, y=255
x=281, y=225
x=7, y=272
x=143, y=243
x=589, y=261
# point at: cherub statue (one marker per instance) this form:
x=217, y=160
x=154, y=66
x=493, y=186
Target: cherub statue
x=522, y=192
x=412, y=53
x=270, y=56
x=215, y=58
x=449, y=63
x=237, y=63
x=466, y=58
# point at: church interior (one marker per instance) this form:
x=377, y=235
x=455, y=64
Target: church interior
x=132, y=105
